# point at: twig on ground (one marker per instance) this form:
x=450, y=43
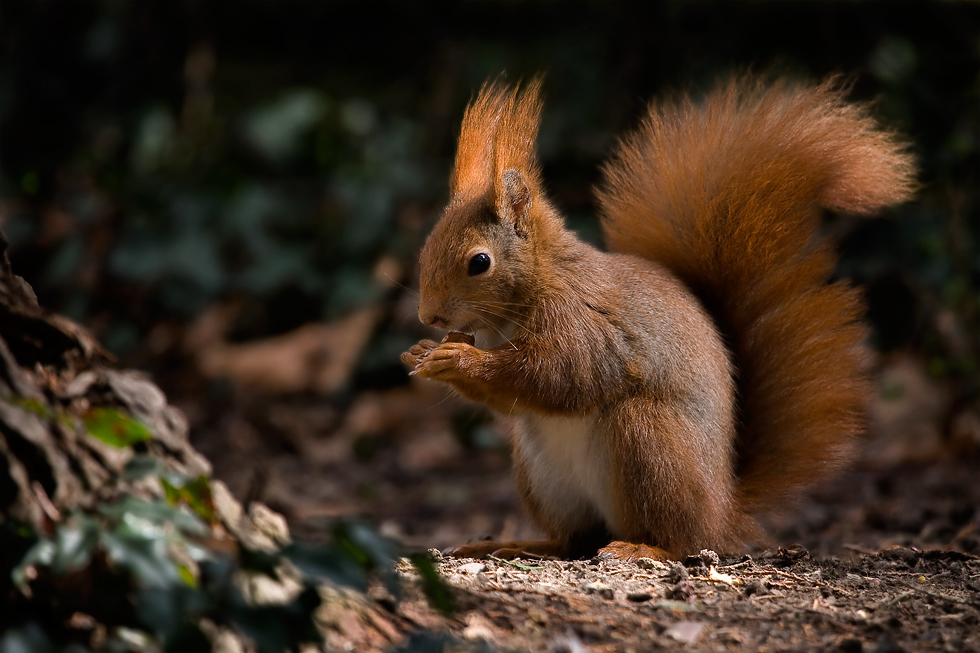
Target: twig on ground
x=945, y=597
x=514, y=564
x=799, y=579
x=895, y=599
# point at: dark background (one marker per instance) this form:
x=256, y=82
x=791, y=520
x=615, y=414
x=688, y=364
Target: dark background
x=195, y=181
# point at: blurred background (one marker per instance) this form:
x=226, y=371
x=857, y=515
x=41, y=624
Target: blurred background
x=232, y=196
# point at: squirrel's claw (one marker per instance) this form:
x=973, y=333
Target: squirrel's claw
x=442, y=359
x=417, y=353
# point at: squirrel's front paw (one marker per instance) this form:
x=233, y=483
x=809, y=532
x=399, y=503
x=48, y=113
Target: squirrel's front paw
x=441, y=362
x=418, y=352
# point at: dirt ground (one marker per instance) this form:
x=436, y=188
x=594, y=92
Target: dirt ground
x=883, y=558
x=899, y=600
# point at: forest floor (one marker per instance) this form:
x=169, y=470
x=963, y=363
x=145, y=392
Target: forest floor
x=883, y=558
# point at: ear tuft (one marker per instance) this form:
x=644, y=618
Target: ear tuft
x=516, y=133
x=474, y=169
x=497, y=135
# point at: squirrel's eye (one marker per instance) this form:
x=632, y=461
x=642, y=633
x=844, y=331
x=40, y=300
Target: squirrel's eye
x=479, y=264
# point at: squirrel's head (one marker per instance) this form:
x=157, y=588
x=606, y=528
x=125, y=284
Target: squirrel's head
x=479, y=263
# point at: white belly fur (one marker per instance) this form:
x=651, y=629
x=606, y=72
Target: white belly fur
x=565, y=460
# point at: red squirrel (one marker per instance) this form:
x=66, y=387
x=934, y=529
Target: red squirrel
x=701, y=371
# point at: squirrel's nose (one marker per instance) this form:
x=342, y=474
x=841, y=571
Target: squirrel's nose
x=439, y=323
x=433, y=320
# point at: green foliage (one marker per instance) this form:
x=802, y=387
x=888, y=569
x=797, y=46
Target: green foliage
x=435, y=588
x=196, y=493
x=31, y=405
x=146, y=538
x=173, y=612
x=113, y=427
x=178, y=488
x=140, y=567
x=355, y=551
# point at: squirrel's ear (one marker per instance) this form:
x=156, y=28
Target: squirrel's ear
x=516, y=183
x=516, y=200
x=518, y=196
x=474, y=168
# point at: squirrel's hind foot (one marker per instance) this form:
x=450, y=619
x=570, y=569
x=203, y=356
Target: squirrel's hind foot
x=629, y=552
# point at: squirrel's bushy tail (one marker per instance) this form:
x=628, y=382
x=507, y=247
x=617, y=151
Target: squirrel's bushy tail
x=727, y=194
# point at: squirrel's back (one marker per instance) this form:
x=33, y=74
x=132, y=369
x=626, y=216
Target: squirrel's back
x=727, y=195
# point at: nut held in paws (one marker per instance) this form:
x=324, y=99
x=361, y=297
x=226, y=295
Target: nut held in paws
x=456, y=336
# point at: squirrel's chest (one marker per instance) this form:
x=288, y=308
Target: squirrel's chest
x=565, y=466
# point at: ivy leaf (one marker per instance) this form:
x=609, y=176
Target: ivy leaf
x=187, y=575
x=196, y=493
x=280, y=627
x=323, y=561
x=112, y=427
x=74, y=542
x=133, y=510
x=370, y=549
x=68, y=550
x=172, y=611
x=376, y=550
x=435, y=587
x=41, y=554
x=33, y=406
x=142, y=466
x=145, y=558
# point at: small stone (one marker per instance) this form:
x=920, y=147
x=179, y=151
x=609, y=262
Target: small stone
x=262, y=590
x=607, y=593
x=472, y=568
x=648, y=563
x=226, y=507
x=478, y=627
x=435, y=555
x=755, y=586
x=686, y=632
x=269, y=523
x=901, y=554
x=788, y=557
x=683, y=591
x=709, y=558
x=677, y=573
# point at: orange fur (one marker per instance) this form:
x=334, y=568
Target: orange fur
x=621, y=367
x=726, y=195
x=498, y=132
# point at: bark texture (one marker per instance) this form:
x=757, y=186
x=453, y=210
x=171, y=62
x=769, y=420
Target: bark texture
x=52, y=375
